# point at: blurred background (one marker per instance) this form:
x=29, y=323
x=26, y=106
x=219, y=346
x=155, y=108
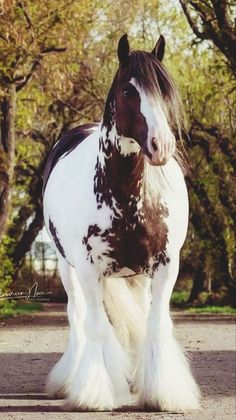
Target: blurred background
x=57, y=61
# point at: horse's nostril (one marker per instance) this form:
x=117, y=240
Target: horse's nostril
x=154, y=144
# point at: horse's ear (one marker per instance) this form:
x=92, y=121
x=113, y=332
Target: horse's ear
x=159, y=49
x=123, y=49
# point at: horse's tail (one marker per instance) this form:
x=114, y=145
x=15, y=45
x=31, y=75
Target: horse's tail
x=127, y=303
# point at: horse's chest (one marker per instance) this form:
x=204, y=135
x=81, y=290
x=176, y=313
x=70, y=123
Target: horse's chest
x=134, y=243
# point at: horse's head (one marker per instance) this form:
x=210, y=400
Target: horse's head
x=145, y=100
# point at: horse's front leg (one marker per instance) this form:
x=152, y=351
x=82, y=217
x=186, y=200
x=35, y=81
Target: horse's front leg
x=100, y=381
x=63, y=372
x=163, y=377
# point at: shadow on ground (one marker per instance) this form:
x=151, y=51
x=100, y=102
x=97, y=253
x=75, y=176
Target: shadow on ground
x=26, y=373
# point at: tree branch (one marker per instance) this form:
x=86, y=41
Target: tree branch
x=26, y=78
x=191, y=22
x=3, y=37
x=215, y=24
x=21, y=6
x=44, y=50
x=222, y=141
x=49, y=50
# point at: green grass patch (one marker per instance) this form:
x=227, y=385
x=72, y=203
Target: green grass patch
x=207, y=309
x=179, y=297
x=20, y=308
x=179, y=300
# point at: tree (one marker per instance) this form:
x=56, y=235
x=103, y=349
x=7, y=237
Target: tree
x=213, y=20
x=7, y=154
x=25, y=39
x=213, y=195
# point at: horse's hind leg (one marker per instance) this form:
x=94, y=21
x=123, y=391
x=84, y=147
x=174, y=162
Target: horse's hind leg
x=63, y=372
x=163, y=379
x=100, y=380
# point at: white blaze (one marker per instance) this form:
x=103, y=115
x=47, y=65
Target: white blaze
x=158, y=127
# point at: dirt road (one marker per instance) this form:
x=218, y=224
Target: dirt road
x=30, y=346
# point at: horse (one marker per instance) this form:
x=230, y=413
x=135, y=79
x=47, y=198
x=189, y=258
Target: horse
x=116, y=207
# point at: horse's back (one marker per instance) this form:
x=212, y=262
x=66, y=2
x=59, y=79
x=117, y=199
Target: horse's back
x=68, y=183
x=65, y=145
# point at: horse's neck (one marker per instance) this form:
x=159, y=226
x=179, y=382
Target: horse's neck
x=122, y=170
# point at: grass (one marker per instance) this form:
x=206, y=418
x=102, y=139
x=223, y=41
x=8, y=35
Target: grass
x=179, y=299
x=207, y=309
x=19, y=308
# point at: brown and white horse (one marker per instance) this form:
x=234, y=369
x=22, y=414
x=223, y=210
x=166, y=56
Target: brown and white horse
x=116, y=206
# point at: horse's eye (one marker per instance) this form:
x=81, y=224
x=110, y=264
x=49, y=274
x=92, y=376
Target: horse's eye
x=129, y=90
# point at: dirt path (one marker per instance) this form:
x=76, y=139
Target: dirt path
x=30, y=346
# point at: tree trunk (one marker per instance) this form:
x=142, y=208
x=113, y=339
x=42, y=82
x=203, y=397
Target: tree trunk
x=26, y=241
x=198, y=281
x=25, y=236
x=7, y=153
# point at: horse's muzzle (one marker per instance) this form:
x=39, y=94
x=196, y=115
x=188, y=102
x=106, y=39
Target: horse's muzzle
x=161, y=151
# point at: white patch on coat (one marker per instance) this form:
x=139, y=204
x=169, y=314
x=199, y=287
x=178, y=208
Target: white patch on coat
x=98, y=253
x=127, y=146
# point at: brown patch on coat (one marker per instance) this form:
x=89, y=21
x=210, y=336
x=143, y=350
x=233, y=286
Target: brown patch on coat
x=56, y=239
x=138, y=235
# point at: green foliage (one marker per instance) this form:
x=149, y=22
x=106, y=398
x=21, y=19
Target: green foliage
x=6, y=272
x=179, y=297
x=13, y=308
x=6, y=266
x=7, y=308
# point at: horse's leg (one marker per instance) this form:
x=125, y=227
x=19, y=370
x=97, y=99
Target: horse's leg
x=64, y=370
x=100, y=381
x=164, y=380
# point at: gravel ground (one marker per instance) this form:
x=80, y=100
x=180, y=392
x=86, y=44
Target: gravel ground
x=30, y=346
